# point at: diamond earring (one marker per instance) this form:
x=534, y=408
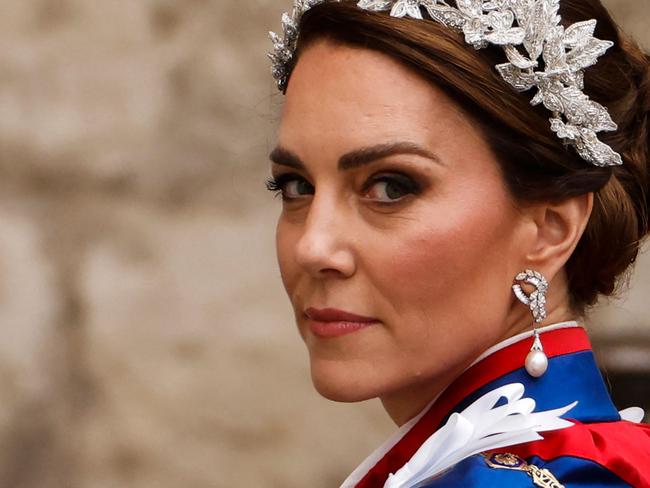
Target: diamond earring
x=536, y=360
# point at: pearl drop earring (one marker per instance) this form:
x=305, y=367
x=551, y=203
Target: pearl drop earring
x=536, y=361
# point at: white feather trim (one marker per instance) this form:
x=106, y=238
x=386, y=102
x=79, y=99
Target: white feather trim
x=480, y=427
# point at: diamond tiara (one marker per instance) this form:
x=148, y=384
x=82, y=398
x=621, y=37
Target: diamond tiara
x=528, y=31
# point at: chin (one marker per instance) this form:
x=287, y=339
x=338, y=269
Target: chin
x=341, y=383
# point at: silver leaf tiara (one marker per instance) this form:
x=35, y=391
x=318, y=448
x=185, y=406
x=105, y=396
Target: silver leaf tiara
x=533, y=25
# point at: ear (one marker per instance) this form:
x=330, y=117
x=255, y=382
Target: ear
x=558, y=229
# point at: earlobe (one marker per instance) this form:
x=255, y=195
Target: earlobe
x=559, y=227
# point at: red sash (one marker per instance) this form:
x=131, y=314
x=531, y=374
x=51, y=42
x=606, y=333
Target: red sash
x=556, y=343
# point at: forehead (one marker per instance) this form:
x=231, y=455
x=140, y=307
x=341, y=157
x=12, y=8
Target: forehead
x=353, y=97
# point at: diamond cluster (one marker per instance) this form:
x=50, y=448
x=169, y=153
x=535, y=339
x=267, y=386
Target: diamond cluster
x=541, y=54
x=537, y=299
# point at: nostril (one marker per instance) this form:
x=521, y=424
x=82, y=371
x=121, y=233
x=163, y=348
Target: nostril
x=330, y=272
x=324, y=248
x=327, y=258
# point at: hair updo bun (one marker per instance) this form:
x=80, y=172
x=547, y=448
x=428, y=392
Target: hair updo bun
x=535, y=164
x=620, y=219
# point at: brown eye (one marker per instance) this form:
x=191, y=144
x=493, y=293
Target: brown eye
x=290, y=186
x=391, y=188
x=297, y=188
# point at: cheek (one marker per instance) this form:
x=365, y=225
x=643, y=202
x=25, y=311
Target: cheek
x=446, y=265
x=286, y=238
x=284, y=250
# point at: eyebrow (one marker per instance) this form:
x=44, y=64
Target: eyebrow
x=358, y=157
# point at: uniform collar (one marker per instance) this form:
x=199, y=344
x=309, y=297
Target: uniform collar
x=572, y=375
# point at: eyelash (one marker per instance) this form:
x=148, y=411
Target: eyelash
x=276, y=184
x=405, y=182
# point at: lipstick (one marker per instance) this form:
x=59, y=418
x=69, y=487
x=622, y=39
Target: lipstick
x=331, y=322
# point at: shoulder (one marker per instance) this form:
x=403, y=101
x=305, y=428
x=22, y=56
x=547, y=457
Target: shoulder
x=616, y=450
x=505, y=470
x=486, y=471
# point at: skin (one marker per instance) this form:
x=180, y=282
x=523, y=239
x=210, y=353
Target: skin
x=426, y=240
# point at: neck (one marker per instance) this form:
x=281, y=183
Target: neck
x=405, y=404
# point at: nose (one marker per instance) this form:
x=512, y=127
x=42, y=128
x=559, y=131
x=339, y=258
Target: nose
x=325, y=245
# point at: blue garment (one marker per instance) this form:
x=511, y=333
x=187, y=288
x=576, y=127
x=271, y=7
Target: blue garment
x=569, y=377
x=597, y=450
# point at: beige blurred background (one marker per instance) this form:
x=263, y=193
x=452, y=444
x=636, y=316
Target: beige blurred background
x=146, y=340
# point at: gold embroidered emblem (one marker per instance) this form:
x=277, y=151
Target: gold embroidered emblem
x=541, y=477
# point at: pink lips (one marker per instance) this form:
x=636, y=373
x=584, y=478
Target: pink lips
x=330, y=322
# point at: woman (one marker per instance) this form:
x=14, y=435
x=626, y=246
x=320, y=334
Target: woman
x=429, y=209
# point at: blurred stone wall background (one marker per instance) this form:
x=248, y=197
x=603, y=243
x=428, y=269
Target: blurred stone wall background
x=146, y=340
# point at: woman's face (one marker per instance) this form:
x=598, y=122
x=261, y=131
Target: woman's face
x=398, y=240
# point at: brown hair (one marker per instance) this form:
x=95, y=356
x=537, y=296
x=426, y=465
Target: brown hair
x=535, y=164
